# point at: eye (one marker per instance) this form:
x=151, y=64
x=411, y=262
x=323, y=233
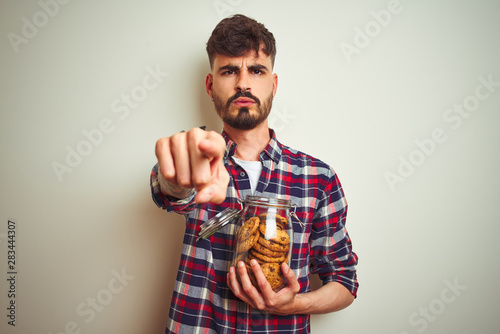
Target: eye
x=228, y=72
x=259, y=72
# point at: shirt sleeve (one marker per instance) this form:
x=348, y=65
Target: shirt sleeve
x=170, y=204
x=332, y=257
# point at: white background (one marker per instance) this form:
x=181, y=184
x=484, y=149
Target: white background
x=362, y=111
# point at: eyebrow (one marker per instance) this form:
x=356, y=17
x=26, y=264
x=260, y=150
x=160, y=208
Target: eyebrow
x=257, y=67
x=229, y=67
x=236, y=68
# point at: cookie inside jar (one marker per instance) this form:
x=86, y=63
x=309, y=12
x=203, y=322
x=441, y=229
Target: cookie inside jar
x=264, y=233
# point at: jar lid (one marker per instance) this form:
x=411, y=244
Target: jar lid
x=268, y=201
x=217, y=222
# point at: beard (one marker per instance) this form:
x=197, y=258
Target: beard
x=243, y=120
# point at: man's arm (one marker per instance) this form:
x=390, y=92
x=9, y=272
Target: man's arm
x=330, y=297
x=331, y=258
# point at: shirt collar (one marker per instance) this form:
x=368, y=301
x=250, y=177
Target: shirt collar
x=272, y=151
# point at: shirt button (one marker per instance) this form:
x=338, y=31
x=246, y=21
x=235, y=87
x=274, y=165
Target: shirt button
x=242, y=174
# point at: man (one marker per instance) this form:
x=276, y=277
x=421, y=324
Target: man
x=200, y=173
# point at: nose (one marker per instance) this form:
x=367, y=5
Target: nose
x=243, y=83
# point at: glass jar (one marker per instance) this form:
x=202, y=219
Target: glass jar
x=264, y=232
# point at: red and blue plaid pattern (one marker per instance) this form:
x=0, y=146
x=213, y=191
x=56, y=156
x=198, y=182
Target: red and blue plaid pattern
x=202, y=301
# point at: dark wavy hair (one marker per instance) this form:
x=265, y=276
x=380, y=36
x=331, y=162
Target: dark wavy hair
x=236, y=35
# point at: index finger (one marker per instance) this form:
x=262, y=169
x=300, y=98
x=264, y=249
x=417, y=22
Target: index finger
x=213, y=145
x=247, y=286
x=264, y=285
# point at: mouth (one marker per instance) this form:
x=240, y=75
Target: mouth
x=243, y=102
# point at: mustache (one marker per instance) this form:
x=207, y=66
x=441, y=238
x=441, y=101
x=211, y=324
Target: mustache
x=242, y=94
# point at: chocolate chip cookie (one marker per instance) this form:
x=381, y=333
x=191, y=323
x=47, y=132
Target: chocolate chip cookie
x=273, y=274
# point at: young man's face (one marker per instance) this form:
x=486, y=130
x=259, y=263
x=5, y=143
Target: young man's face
x=242, y=89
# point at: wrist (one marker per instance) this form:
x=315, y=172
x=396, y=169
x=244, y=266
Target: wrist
x=169, y=189
x=302, y=304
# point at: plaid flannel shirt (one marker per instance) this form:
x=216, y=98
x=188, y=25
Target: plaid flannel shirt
x=202, y=301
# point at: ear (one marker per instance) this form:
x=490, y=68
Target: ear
x=209, y=84
x=275, y=83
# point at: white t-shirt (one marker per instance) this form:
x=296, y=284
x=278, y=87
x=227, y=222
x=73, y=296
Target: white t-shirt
x=253, y=169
